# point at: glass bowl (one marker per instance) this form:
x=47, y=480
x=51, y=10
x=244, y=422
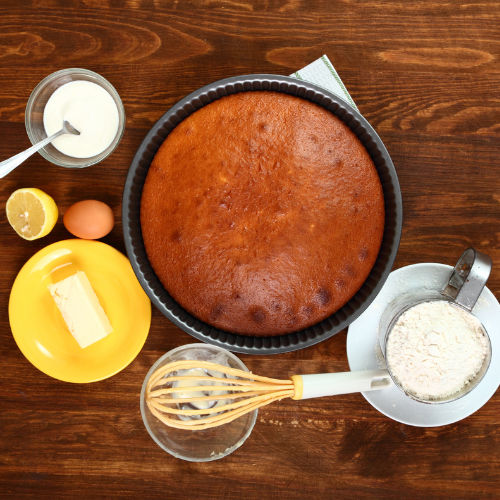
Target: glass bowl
x=201, y=445
x=36, y=105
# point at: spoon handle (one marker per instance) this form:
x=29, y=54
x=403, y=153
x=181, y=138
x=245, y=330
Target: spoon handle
x=8, y=165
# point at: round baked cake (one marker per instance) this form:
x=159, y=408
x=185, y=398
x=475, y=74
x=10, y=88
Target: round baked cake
x=262, y=213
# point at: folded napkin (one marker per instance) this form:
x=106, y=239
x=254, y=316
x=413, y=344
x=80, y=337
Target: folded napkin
x=321, y=72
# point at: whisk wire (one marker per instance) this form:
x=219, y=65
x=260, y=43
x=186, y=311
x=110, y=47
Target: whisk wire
x=213, y=397
x=215, y=421
x=211, y=379
x=198, y=388
x=187, y=365
x=216, y=409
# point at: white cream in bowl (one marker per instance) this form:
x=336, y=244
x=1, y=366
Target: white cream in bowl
x=90, y=109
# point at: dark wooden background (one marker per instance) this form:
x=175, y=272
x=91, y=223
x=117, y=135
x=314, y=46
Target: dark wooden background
x=427, y=77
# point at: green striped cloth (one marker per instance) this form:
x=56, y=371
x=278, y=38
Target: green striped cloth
x=321, y=72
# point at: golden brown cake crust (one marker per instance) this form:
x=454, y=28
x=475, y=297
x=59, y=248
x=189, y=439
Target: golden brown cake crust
x=262, y=213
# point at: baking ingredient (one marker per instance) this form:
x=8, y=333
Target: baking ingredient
x=31, y=212
x=90, y=109
x=80, y=309
x=435, y=348
x=89, y=219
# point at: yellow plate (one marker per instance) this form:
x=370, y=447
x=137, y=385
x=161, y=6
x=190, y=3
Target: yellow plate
x=40, y=331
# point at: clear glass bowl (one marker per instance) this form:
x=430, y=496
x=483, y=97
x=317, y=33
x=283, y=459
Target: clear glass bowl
x=36, y=105
x=204, y=445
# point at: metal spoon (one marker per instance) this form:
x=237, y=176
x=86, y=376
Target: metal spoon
x=8, y=165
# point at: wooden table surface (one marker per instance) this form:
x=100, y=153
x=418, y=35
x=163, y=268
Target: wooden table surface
x=426, y=75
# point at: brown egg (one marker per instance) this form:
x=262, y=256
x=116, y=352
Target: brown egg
x=89, y=219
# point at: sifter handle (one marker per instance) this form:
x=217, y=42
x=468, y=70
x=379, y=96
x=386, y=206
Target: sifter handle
x=331, y=384
x=468, y=278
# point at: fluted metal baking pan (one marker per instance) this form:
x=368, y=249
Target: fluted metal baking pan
x=135, y=245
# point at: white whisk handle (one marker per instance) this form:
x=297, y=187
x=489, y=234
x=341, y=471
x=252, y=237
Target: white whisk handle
x=331, y=384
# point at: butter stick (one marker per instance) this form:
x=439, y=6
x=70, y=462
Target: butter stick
x=80, y=309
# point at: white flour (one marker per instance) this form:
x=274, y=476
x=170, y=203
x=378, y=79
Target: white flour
x=435, y=348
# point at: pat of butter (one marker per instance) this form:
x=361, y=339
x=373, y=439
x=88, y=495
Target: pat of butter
x=80, y=309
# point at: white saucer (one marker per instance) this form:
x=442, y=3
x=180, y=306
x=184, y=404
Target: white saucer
x=362, y=341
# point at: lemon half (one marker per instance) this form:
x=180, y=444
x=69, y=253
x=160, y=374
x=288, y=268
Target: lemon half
x=32, y=213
